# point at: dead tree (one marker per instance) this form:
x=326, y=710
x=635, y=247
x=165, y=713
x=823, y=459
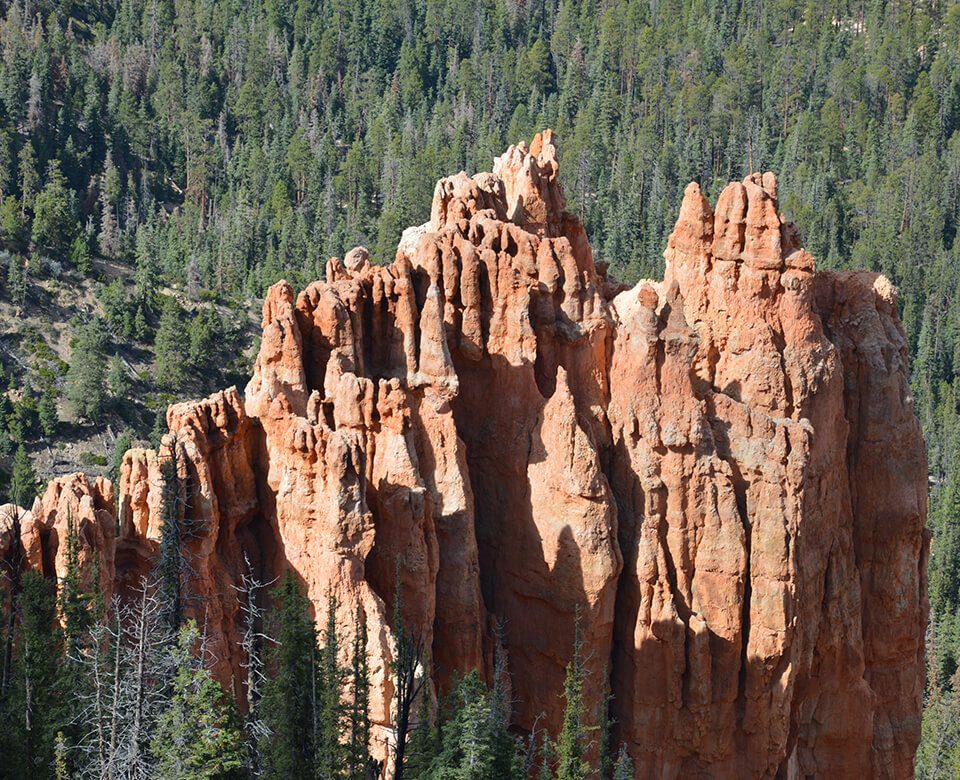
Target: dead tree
x=409, y=677
x=252, y=642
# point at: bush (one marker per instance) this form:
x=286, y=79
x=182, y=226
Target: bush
x=92, y=459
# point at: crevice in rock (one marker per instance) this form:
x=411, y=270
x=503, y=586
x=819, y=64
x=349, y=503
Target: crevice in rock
x=740, y=487
x=781, y=345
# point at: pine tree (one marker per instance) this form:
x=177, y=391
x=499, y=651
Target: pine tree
x=169, y=353
x=108, y=239
x=12, y=567
x=159, y=429
x=74, y=600
x=86, y=388
x=117, y=379
x=508, y=760
x=17, y=281
x=408, y=677
x=29, y=178
x=330, y=754
x=39, y=646
x=196, y=736
x=11, y=224
x=145, y=275
x=169, y=566
x=54, y=224
x=23, y=481
x=623, y=769
x=423, y=751
x=61, y=768
x=468, y=740
x=47, y=410
x=122, y=443
x=80, y=254
x=547, y=759
x=11, y=739
x=571, y=744
x=359, y=715
x=289, y=703
x=141, y=328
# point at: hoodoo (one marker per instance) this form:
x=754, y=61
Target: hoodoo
x=721, y=472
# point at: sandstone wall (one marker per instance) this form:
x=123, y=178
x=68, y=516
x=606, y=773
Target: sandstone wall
x=721, y=473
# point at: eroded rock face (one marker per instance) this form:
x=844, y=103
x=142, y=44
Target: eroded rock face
x=720, y=472
x=87, y=505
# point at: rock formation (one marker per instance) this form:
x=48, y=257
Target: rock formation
x=721, y=473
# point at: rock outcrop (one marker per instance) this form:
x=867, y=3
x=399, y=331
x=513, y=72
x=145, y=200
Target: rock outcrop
x=721, y=473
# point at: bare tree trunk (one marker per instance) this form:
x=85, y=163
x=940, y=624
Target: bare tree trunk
x=98, y=707
x=115, y=704
x=251, y=644
x=139, y=680
x=28, y=697
x=408, y=686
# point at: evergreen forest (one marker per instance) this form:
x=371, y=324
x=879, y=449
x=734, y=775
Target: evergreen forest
x=162, y=162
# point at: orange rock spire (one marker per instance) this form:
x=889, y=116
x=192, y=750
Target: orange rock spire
x=722, y=472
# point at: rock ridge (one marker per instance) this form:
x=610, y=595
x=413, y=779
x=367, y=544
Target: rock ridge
x=721, y=472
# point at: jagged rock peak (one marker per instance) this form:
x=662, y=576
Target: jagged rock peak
x=701, y=467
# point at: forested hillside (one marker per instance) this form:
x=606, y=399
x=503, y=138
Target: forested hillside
x=163, y=161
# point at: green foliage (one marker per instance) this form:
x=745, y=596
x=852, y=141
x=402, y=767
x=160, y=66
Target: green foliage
x=88, y=458
x=11, y=223
x=537, y=66
x=572, y=741
x=61, y=769
x=74, y=600
x=548, y=757
x=290, y=697
x=358, y=714
x=47, y=410
x=623, y=769
x=17, y=280
x=86, y=377
x=79, y=603
x=159, y=428
x=475, y=741
x=34, y=707
x=196, y=737
x=169, y=564
x=408, y=665
x=203, y=332
x=116, y=306
x=330, y=753
x=169, y=366
x=228, y=175
x=23, y=481
x=250, y=142
x=938, y=757
x=117, y=378
x=468, y=746
x=54, y=225
x=123, y=443
x=423, y=752
x=80, y=255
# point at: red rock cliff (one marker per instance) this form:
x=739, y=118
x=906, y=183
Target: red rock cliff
x=722, y=471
